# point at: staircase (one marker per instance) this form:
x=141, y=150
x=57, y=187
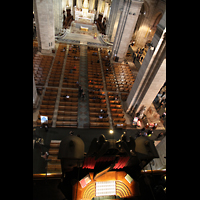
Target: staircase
x=54, y=165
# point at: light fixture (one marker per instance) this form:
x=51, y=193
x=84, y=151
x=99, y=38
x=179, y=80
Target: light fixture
x=111, y=131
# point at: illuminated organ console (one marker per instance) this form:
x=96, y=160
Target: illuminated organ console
x=101, y=164
x=112, y=183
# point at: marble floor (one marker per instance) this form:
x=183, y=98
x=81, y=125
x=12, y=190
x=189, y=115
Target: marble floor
x=74, y=35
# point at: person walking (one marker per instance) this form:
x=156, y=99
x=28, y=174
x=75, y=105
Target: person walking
x=83, y=95
x=80, y=90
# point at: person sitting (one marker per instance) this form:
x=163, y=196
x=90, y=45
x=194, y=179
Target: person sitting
x=46, y=155
x=63, y=49
x=100, y=117
x=102, y=111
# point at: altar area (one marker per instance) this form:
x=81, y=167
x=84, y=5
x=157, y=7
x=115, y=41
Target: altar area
x=82, y=27
x=85, y=12
x=84, y=16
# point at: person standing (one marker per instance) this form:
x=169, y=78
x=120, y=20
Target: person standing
x=160, y=135
x=150, y=132
x=83, y=95
x=163, y=115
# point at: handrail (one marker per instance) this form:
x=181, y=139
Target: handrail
x=47, y=175
x=108, y=43
x=156, y=171
x=59, y=175
x=62, y=36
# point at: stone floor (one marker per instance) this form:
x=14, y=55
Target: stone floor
x=83, y=104
x=74, y=35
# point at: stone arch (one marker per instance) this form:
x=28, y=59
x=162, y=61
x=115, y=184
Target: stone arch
x=156, y=19
x=144, y=13
x=146, y=8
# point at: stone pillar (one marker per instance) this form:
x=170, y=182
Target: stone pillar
x=79, y=4
x=125, y=28
x=152, y=73
x=112, y=23
x=145, y=31
x=106, y=11
x=91, y=4
x=45, y=24
x=100, y=8
x=58, y=15
x=35, y=95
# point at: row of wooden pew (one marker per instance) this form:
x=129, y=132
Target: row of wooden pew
x=121, y=78
x=95, y=80
x=116, y=110
x=68, y=104
x=41, y=67
x=98, y=110
x=68, y=109
x=108, y=71
x=54, y=79
x=47, y=106
x=71, y=73
x=124, y=77
x=97, y=102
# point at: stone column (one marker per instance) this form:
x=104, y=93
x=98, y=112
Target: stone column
x=125, y=28
x=100, y=8
x=45, y=24
x=79, y=4
x=152, y=9
x=115, y=12
x=91, y=4
x=35, y=95
x=152, y=73
x=58, y=15
x=106, y=11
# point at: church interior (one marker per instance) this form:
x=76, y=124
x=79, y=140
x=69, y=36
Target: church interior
x=99, y=99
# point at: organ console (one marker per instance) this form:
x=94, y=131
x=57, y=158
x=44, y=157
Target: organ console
x=112, y=183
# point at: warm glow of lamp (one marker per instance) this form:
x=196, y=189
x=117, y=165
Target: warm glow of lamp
x=111, y=131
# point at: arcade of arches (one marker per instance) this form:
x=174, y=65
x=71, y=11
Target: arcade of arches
x=119, y=45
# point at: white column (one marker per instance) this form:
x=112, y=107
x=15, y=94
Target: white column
x=99, y=8
x=91, y=4
x=106, y=11
x=151, y=76
x=58, y=15
x=79, y=4
x=45, y=16
x=125, y=28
